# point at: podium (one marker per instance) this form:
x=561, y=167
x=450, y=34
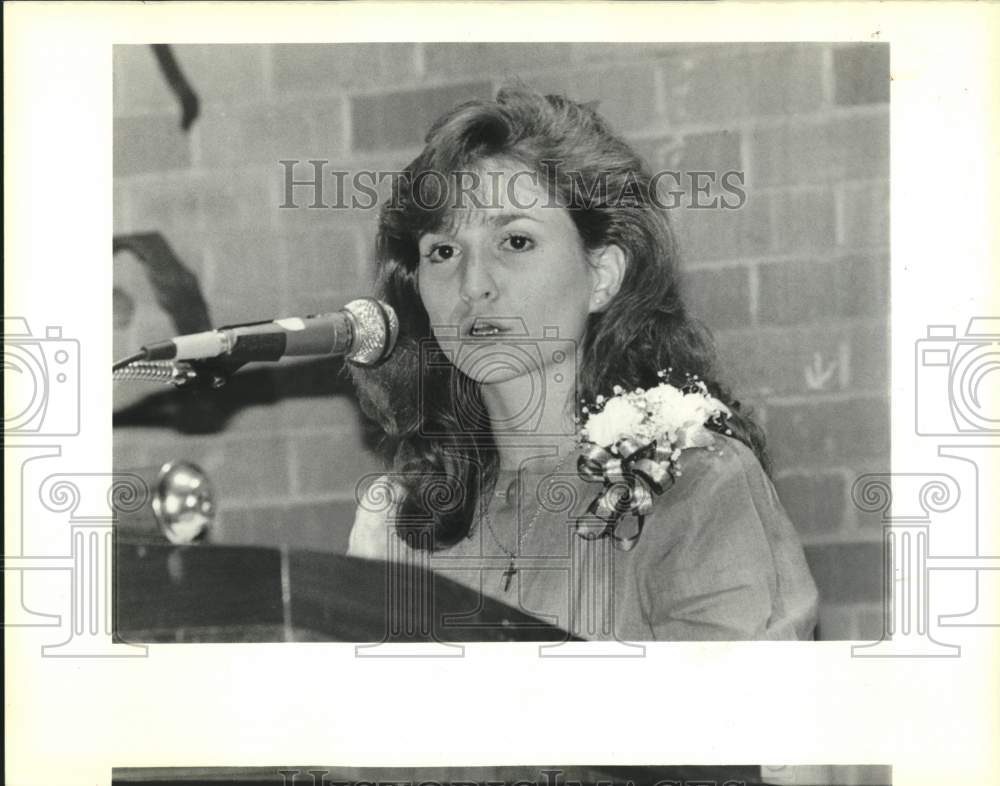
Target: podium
x=217, y=593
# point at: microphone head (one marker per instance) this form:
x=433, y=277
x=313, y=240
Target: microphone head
x=377, y=330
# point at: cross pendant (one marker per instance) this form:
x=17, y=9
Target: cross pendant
x=508, y=575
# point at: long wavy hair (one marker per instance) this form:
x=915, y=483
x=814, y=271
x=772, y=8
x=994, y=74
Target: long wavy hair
x=436, y=426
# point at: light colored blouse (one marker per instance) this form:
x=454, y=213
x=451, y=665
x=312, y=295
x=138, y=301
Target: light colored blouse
x=717, y=559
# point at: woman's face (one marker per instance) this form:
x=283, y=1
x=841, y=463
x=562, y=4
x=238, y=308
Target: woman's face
x=505, y=269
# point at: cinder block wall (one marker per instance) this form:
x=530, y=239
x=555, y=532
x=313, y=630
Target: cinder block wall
x=794, y=284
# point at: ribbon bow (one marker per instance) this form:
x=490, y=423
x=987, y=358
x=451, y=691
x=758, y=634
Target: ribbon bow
x=629, y=479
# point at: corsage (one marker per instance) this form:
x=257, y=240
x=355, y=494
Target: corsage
x=632, y=444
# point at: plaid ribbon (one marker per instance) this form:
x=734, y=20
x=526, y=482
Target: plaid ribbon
x=630, y=479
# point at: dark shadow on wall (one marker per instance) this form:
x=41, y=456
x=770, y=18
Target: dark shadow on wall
x=175, y=287
x=207, y=411
x=196, y=411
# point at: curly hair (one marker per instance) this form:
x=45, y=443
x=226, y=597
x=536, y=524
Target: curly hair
x=436, y=426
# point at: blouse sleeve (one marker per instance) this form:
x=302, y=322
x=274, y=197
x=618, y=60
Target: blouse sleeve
x=721, y=560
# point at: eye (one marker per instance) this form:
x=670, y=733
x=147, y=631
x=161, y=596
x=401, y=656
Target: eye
x=441, y=252
x=518, y=242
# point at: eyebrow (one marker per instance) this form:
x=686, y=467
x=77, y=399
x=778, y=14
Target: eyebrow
x=503, y=219
x=495, y=219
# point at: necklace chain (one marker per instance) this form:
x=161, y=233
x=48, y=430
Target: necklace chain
x=511, y=570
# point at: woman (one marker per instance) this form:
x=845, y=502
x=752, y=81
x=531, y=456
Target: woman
x=533, y=271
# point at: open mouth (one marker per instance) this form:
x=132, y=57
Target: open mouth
x=485, y=327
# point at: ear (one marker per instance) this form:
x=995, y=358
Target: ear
x=607, y=270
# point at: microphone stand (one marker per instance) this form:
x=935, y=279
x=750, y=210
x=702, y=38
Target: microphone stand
x=191, y=374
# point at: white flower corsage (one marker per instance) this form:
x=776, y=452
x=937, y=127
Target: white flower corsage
x=632, y=445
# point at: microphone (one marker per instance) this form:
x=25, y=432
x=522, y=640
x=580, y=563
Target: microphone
x=364, y=332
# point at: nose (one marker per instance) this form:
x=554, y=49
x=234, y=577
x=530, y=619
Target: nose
x=478, y=282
